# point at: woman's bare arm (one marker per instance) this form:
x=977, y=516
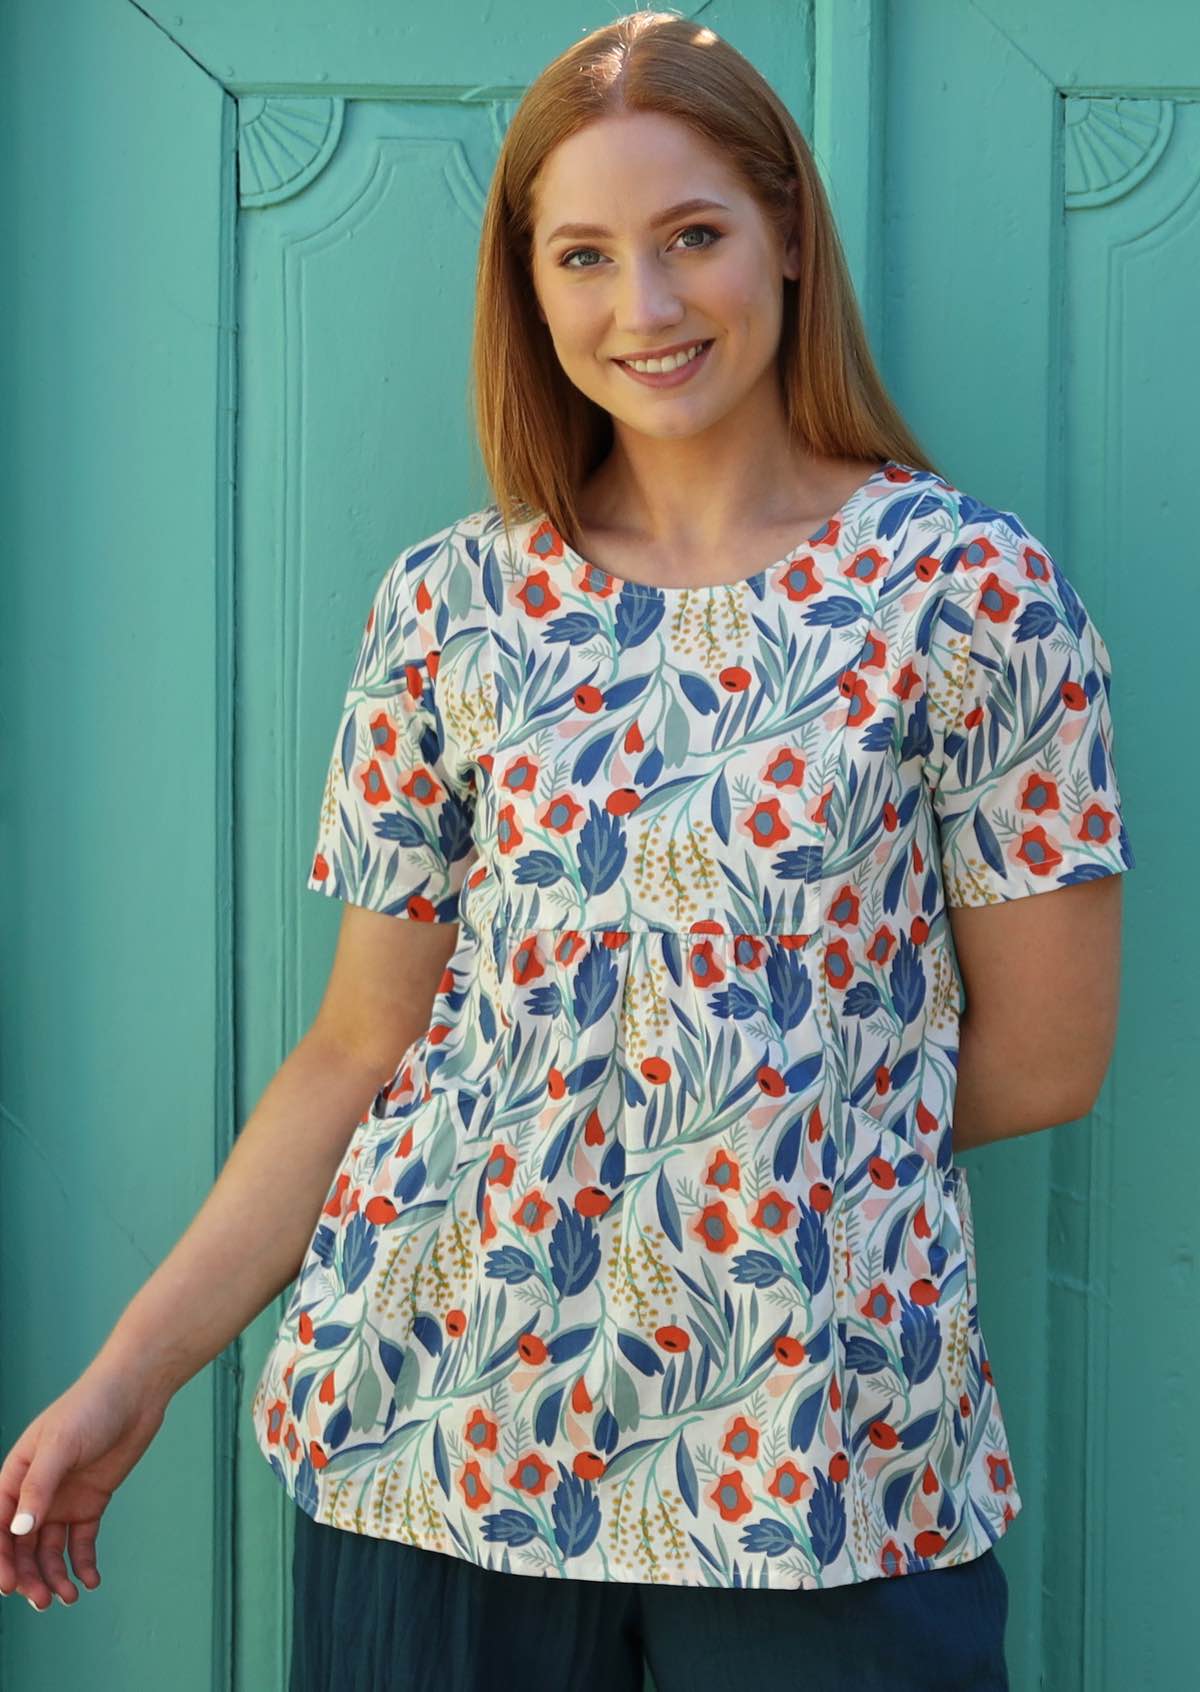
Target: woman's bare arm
x=245, y=1244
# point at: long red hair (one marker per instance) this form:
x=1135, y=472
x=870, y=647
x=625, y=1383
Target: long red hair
x=539, y=436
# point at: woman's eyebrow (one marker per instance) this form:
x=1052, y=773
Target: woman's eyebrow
x=581, y=231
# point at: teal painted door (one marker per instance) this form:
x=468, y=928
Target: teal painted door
x=244, y=296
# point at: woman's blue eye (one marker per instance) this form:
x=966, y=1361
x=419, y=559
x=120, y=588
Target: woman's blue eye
x=705, y=228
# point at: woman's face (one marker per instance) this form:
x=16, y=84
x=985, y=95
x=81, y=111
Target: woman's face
x=709, y=273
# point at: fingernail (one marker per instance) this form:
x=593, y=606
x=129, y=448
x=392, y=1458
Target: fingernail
x=37, y=1607
x=22, y=1523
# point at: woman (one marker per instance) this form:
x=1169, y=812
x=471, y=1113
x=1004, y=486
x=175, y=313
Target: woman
x=649, y=1267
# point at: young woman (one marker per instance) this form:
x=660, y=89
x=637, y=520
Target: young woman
x=722, y=749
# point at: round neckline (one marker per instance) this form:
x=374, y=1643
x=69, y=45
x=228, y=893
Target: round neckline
x=608, y=581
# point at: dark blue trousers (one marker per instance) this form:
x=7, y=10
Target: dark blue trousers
x=371, y=1615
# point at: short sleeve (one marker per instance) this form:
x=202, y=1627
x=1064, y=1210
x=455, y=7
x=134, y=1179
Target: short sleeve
x=1022, y=773
x=395, y=828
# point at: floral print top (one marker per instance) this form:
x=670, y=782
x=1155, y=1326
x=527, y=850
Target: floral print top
x=652, y=1261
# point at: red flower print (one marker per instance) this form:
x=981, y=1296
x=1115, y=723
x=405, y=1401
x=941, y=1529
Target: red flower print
x=530, y=1473
x=704, y=966
x=487, y=1226
x=375, y=789
x=531, y=1212
x=537, y=596
x=729, y=1496
x=500, y=1165
x=423, y=787
x=526, y=964
x=568, y=947
x=581, y=1398
x=999, y=1472
x=655, y=1069
x=1095, y=826
x=839, y=971
x=588, y=698
x=723, y=1172
x=481, y=1431
x=741, y=1439
x=622, y=801
x=672, y=1338
x=883, y=1435
x=561, y=813
x=472, y=1485
x=878, y=1303
x=874, y=656
x=1037, y=852
x=1038, y=794
x=456, y=1323
x=380, y=1210
x=799, y=579
x=713, y=1227
x=588, y=1465
x=383, y=734
x=544, y=541
x=908, y=680
x=976, y=553
x=592, y=579
x=881, y=946
x=275, y=1415
x=844, y=907
x=764, y=824
x=1037, y=565
x=788, y=1351
x=320, y=868
x=773, y=1212
x=995, y=601
x=789, y=1484
x=786, y=768
x=851, y=686
x=520, y=776
x=749, y=951
x=866, y=565
x=734, y=678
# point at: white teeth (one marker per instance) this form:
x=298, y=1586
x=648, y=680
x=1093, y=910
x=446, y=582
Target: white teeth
x=671, y=362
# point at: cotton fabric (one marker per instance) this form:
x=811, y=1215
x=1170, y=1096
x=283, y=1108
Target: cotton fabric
x=652, y=1261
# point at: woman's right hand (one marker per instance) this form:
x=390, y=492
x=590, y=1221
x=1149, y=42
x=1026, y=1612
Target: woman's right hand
x=63, y=1470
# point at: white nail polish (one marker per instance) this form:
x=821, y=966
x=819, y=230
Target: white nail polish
x=22, y=1523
